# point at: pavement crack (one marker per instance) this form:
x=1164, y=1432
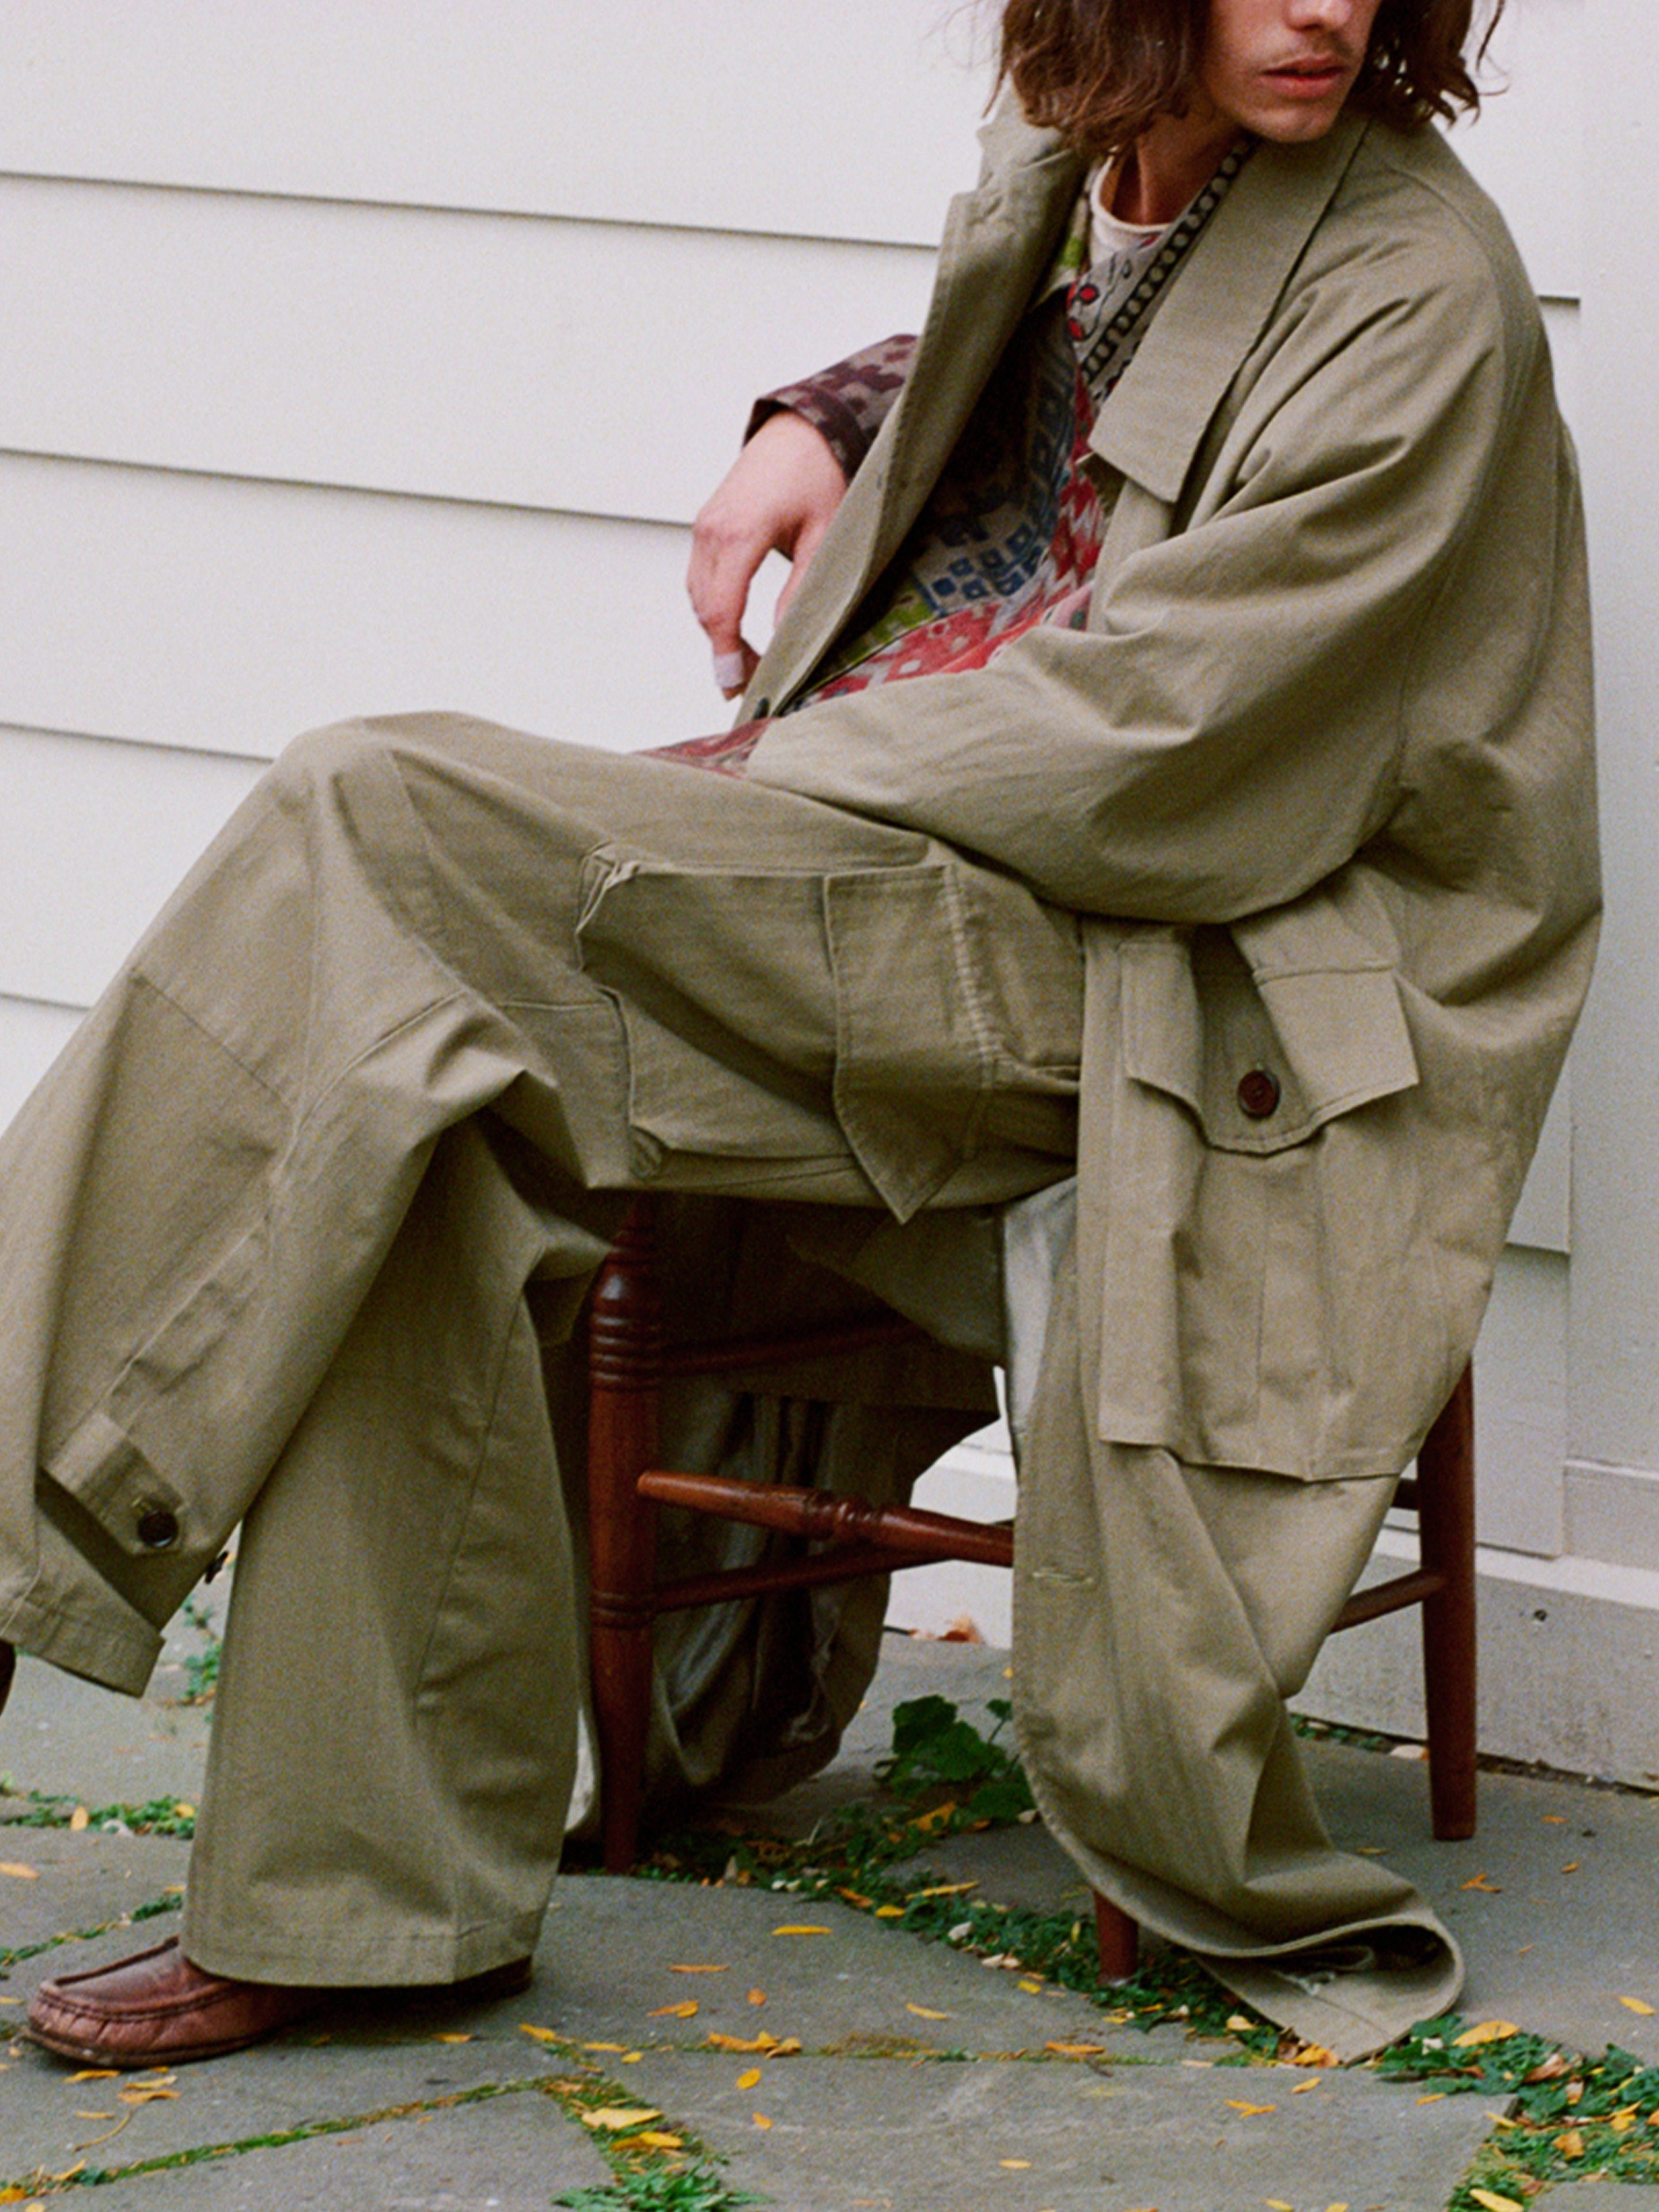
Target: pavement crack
x=44, y=2182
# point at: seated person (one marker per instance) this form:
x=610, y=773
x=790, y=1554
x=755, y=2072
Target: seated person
x=1172, y=768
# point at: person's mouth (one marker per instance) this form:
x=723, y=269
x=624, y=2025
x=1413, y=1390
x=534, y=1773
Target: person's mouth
x=1311, y=77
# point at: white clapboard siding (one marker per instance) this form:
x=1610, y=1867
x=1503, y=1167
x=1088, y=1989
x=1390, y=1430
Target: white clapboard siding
x=588, y=366
x=853, y=121
x=1527, y=148
x=227, y=617
x=31, y=1036
x=92, y=837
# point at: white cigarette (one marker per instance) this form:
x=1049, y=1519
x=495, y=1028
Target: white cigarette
x=731, y=671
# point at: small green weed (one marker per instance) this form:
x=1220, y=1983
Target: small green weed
x=932, y=1744
x=1568, y=2117
x=201, y=1668
x=157, y=1816
x=693, y=2189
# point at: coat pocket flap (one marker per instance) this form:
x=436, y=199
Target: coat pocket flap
x=1263, y=1052
x=1333, y=1001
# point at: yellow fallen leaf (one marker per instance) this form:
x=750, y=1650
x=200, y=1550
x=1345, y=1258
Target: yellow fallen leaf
x=1076, y=2050
x=889, y=1912
x=658, y=2141
x=758, y=1996
x=1275, y=2205
x=761, y=2120
x=1031, y=1989
x=94, y=2115
x=699, y=1970
x=854, y=1897
x=631, y=2058
x=540, y=2034
x=1314, y=2054
x=688, y=2010
x=1488, y=2031
x=1237, y=2025
x=926, y=1822
x=1571, y=2144
x=1251, y=2110
x=1635, y=2004
x=1303, y=2087
x=1482, y=1881
x=1573, y=1866
x=1622, y=2122
x=1490, y=2201
x=1336, y=2207
x=147, y=2096
x=452, y=2039
x=616, y=2119
x=923, y=2012
x=748, y=2078
x=1015, y=2165
x=185, y=1812
x=945, y=1889
x=800, y=1928
x=96, y=2073
x=19, y=1872
x=1434, y=2097
x=768, y=2046
x=78, y=1818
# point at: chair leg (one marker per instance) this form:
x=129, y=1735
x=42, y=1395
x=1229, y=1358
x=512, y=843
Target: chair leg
x=625, y=1375
x=1120, y=1940
x=1445, y=1517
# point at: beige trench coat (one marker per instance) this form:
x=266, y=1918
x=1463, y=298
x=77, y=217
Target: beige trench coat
x=1314, y=777
x=1318, y=777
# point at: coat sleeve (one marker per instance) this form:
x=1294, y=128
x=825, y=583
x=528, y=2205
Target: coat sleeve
x=848, y=403
x=1227, y=729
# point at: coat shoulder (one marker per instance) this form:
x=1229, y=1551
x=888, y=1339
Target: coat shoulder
x=1409, y=209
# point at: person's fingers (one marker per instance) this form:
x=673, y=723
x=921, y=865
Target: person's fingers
x=722, y=568
x=811, y=537
x=733, y=669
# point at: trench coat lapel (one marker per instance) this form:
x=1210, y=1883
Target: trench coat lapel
x=998, y=241
x=1154, y=423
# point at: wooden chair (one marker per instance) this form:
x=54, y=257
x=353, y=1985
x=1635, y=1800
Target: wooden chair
x=628, y=1363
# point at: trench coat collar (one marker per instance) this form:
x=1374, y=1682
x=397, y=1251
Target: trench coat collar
x=1152, y=426
x=998, y=240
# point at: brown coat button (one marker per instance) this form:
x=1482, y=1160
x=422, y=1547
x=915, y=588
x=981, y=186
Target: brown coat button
x=158, y=1529
x=1258, y=1094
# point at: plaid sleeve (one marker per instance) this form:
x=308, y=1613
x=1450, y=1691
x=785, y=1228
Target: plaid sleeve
x=848, y=403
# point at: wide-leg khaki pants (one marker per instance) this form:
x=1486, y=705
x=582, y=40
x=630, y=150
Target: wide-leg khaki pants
x=436, y=995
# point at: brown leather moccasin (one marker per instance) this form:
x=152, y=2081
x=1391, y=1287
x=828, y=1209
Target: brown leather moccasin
x=158, y=2009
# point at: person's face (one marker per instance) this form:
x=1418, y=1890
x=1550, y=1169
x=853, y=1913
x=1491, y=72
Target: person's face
x=1282, y=69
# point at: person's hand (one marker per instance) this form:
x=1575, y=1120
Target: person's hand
x=779, y=497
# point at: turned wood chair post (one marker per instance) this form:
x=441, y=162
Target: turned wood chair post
x=1445, y=1520
x=625, y=1338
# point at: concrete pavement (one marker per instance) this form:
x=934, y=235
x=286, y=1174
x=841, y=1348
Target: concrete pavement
x=921, y=2077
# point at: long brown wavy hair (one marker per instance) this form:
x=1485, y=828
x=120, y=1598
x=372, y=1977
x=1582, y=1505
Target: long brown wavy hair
x=1100, y=71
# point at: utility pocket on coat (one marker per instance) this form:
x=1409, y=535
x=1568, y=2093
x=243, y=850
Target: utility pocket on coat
x=1263, y=1055
x=1270, y=1285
